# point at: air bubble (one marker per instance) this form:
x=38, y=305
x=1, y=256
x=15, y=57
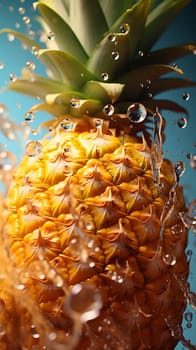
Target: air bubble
x=140, y=53
x=67, y=124
x=188, y=316
x=193, y=161
x=112, y=37
x=26, y=19
x=20, y=286
x=189, y=325
x=21, y=10
x=34, y=50
x=75, y=103
x=30, y=65
x=33, y=148
x=169, y=259
x=11, y=37
x=51, y=36
x=115, y=55
x=13, y=77
x=29, y=117
x=85, y=302
x=124, y=28
x=105, y=76
x=108, y=109
x=186, y=96
x=182, y=122
x=177, y=229
x=52, y=336
x=136, y=113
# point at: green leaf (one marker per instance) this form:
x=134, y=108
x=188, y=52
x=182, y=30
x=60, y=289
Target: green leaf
x=64, y=38
x=159, y=19
x=140, y=79
x=59, y=6
x=88, y=22
x=64, y=97
x=107, y=93
x=103, y=62
x=125, y=43
x=53, y=109
x=35, y=85
x=168, y=55
x=71, y=71
x=85, y=106
x=161, y=85
x=135, y=18
x=113, y=9
x=164, y=105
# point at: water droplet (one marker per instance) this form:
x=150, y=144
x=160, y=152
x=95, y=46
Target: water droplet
x=105, y=76
x=11, y=37
x=92, y=264
x=149, y=95
x=186, y=96
x=193, y=161
x=29, y=117
x=30, y=65
x=85, y=301
x=1, y=65
x=188, y=316
x=189, y=325
x=115, y=55
x=136, y=113
x=140, y=53
x=169, y=259
x=98, y=123
x=33, y=148
x=189, y=253
x=67, y=124
x=179, y=169
x=124, y=28
x=26, y=19
x=177, y=229
x=51, y=36
x=112, y=37
x=108, y=109
x=182, y=122
x=20, y=286
x=52, y=336
x=34, y=132
x=21, y=10
x=75, y=103
x=13, y=77
x=34, y=50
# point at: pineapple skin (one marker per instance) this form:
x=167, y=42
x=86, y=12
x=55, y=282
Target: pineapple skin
x=87, y=212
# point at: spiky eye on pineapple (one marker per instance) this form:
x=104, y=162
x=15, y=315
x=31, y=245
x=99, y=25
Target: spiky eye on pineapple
x=95, y=224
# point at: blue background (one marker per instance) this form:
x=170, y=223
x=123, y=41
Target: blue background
x=179, y=142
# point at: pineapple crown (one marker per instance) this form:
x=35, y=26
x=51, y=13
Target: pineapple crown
x=99, y=59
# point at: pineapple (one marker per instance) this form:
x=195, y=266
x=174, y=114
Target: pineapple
x=93, y=241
